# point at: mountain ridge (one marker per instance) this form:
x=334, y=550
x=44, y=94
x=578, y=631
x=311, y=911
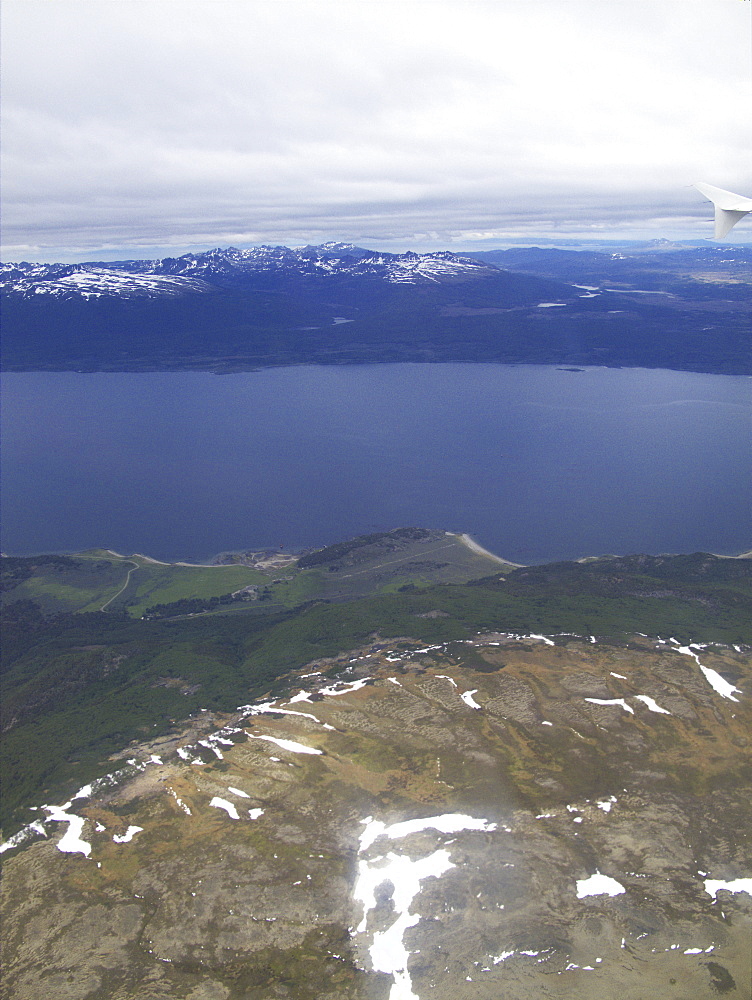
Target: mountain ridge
x=229, y=267
x=232, y=310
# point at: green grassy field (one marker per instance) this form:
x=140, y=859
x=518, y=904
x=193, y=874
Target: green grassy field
x=159, y=584
x=65, y=583
x=96, y=579
x=92, y=580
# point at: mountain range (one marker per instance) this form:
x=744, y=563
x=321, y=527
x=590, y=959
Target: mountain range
x=680, y=307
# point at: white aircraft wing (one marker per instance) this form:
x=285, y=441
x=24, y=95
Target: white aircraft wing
x=729, y=207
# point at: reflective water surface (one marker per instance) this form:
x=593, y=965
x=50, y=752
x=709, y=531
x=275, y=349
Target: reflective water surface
x=537, y=463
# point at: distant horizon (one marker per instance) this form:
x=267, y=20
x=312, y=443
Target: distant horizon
x=548, y=241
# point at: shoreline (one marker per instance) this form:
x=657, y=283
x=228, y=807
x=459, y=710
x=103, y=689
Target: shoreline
x=470, y=542
x=463, y=537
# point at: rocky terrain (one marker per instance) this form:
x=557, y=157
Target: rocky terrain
x=508, y=815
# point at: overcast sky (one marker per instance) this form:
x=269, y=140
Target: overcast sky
x=145, y=127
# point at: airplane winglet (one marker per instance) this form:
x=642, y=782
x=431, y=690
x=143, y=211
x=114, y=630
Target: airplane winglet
x=729, y=207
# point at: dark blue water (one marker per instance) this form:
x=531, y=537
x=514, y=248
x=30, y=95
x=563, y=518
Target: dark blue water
x=536, y=463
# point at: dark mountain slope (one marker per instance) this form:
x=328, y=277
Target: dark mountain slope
x=238, y=309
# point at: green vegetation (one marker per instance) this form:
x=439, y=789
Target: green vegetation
x=78, y=687
x=102, y=580
x=64, y=583
x=165, y=584
x=90, y=580
x=389, y=540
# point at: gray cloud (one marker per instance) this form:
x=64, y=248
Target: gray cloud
x=180, y=123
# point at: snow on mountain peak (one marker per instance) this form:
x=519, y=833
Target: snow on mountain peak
x=228, y=266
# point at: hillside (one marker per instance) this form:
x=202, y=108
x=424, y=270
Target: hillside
x=79, y=682
x=504, y=813
x=230, y=310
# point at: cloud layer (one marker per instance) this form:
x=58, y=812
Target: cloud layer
x=135, y=127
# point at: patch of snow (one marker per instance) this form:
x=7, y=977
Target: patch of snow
x=598, y=885
x=290, y=745
x=605, y=804
x=543, y=638
x=620, y=676
x=612, y=701
x=719, y=684
x=387, y=951
x=209, y=744
x=70, y=842
x=237, y=791
x=300, y=696
x=255, y=813
x=502, y=957
x=180, y=802
x=651, y=704
x=446, y=823
x=468, y=699
x=344, y=687
x=713, y=886
x=546, y=723
x=714, y=679
x=270, y=708
x=446, y=677
x=228, y=807
x=129, y=834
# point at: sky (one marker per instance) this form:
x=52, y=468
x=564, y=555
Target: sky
x=141, y=128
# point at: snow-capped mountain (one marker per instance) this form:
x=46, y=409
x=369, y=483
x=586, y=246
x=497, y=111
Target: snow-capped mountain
x=87, y=282
x=231, y=309
x=342, y=259
x=229, y=267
